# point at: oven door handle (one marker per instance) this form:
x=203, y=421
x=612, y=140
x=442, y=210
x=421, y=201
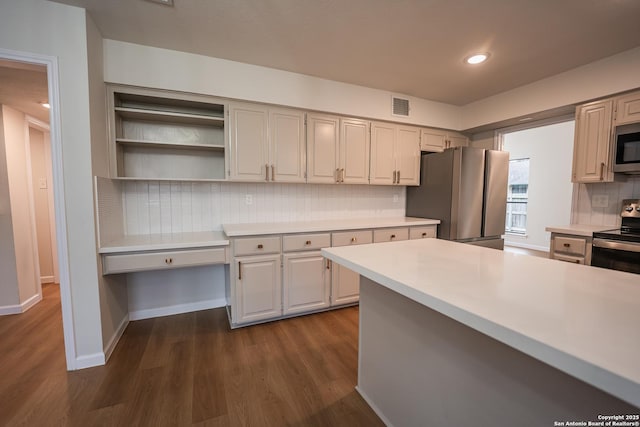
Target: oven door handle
x=620, y=246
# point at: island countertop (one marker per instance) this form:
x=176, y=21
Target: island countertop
x=582, y=320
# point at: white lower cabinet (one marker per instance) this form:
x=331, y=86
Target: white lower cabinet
x=345, y=283
x=306, y=282
x=258, y=288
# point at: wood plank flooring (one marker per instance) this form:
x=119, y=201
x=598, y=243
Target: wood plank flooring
x=183, y=370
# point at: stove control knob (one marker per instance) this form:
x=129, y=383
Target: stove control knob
x=638, y=208
x=629, y=209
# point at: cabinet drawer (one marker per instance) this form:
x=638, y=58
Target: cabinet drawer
x=256, y=245
x=390, y=234
x=347, y=238
x=304, y=242
x=125, y=263
x=568, y=258
x=426, y=232
x=570, y=245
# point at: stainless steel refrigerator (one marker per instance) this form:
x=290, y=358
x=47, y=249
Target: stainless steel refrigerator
x=466, y=189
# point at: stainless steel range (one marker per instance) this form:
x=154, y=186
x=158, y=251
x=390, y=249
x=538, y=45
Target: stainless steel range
x=620, y=249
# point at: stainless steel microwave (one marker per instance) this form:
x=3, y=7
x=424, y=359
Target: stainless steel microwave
x=627, y=149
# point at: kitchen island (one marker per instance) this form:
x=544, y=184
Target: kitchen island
x=454, y=334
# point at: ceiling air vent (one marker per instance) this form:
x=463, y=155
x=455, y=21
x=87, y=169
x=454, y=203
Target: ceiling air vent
x=399, y=106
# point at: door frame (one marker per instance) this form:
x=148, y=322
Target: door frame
x=51, y=62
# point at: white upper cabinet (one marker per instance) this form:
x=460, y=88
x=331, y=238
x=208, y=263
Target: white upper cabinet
x=395, y=154
x=628, y=109
x=267, y=144
x=249, y=154
x=322, y=148
x=438, y=140
x=287, y=145
x=354, y=151
x=592, y=143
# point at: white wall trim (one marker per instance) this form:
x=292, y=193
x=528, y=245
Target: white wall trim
x=111, y=345
x=51, y=62
x=89, y=361
x=47, y=279
x=177, y=309
x=20, y=308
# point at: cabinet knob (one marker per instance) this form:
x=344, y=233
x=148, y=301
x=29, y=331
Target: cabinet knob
x=353, y=240
x=260, y=246
x=393, y=236
x=308, y=242
x=424, y=234
x=328, y=265
x=567, y=245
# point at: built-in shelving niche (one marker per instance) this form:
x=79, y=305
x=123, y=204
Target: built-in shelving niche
x=173, y=136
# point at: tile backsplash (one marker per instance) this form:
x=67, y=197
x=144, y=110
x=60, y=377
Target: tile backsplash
x=584, y=211
x=172, y=207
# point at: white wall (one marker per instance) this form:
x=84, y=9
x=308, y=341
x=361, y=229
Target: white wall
x=56, y=30
x=139, y=65
x=9, y=295
x=39, y=175
x=550, y=150
x=598, y=79
x=15, y=138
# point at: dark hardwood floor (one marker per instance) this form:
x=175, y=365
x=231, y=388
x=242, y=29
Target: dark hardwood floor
x=189, y=369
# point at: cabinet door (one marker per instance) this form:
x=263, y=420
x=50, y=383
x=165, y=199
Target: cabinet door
x=345, y=285
x=258, y=289
x=457, y=140
x=306, y=282
x=383, y=136
x=628, y=109
x=249, y=154
x=592, y=144
x=432, y=140
x=354, y=151
x=287, y=145
x=322, y=148
x=407, y=154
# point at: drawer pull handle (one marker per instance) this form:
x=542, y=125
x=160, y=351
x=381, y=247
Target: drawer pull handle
x=308, y=242
x=338, y=175
x=328, y=264
x=273, y=173
x=353, y=240
x=577, y=261
x=424, y=234
x=266, y=172
x=168, y=260
x=393, y=236
x=567, y=245
x=239, y=270
x=398, y=179
x=260, y=246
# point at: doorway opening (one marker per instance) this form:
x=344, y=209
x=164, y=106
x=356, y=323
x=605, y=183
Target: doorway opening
x=540, y=188
x=22, y=101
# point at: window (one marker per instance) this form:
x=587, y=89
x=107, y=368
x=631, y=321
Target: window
x=517, y=196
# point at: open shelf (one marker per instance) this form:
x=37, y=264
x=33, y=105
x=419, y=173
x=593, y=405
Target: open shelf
x=162, y=135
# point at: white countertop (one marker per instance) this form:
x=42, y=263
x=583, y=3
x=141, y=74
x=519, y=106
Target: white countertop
x=582, y=320
x=153, y=242
x=580, y=229
x=252, y=229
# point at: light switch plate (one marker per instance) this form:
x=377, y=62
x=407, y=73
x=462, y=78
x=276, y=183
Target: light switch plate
x=600, y=201
x=248, y=199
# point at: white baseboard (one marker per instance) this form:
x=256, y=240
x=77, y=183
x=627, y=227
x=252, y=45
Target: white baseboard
x=374, y=407
x=526, y=246
x=111, y=345
x=47, y=279
x=177, y=309
x=6, y=310
x=90, y=360
x=31, y=302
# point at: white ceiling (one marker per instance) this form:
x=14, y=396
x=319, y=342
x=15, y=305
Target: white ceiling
x=23, y=86
x=413, y=47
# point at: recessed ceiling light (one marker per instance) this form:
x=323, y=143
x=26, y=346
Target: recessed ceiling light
x=476, y=58
x=45, y=104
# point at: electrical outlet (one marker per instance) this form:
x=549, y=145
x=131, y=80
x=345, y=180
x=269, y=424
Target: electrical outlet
x=248, y=199
x=395, y=198
x=600, y=201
